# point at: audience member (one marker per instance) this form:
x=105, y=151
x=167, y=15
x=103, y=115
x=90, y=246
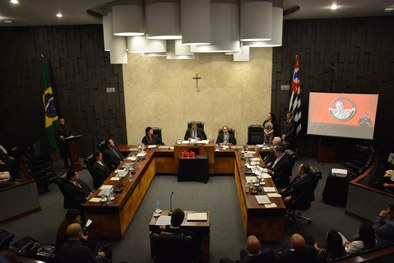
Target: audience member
x=150, y=138
x=388, y=180
x=77, y=192
x=253, y=253
x=74, y=251
x=8, y=162
x=384, y=226
x=195, y=133
x=270, y=158
x=364, y=240
x=62, y=132
x=299, y=251
x=288, y=130
x=5, y=179
x=332, y=249
x=100, y=170
x=269, y=129
x=279, y=168
x=225, y=137
x=112, y=156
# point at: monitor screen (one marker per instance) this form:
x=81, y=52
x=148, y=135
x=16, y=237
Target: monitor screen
x=342, y=114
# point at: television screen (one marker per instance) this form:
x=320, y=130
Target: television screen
x=342, y=114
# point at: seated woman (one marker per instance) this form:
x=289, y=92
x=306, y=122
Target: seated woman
x=150, y=138
x=364, y=240
x=333, y=248
x=100, y=170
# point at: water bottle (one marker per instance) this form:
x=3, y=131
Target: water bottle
x=111, y=193
x=217, y=147
x=157, y=209
x=179, y=140
x=139, y=148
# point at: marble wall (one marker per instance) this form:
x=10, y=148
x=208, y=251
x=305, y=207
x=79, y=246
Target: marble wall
x=162, y=93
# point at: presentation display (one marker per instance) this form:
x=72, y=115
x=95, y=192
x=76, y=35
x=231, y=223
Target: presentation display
x=342, y=114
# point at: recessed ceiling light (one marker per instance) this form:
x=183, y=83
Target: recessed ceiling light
x=7, y=21
x=389, y=9
x=334, y=6
x=59, y=14
x=15, y=2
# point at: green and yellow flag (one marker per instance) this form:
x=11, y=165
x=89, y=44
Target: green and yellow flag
x=51, y=118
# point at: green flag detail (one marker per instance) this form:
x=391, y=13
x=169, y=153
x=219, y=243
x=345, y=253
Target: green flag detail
x=51, y=118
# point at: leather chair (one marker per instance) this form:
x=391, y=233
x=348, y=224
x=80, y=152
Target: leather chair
x=172, y=247
x=304, y=203
x=255, y=134
x=292, y=156
x=89, y=161
x=101, y=146
x=157, y=131
x=200, y=124
x=61, y=182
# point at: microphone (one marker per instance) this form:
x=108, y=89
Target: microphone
x=170, y=212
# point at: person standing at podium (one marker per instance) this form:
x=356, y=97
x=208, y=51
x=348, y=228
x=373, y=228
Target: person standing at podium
x=62, y=132
x=112, y=156
x=195, y=133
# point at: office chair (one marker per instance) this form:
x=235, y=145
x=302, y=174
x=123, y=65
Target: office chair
x=157, y=131
x=89, y=161
x=101, y=146
x=292, y=156
x=304, y=202
x=172, y=247
x=200, y=124
x=255, y=134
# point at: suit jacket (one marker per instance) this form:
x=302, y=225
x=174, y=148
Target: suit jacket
x=62, y=131
x=200, y=134
x=100, y=174
x=297, y=189
x=266, y=256
x=74, y=251
x=281, y=172
x=155, y=140
x=111, y=159
x=308, y=255
x=231, y=138
x=288, y=128
x=74, y=196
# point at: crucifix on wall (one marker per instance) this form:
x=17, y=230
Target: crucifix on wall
x=197, y=78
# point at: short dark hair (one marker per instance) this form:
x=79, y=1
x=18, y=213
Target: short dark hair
x=306, y=168
x=70, y=173
x=96, y=154
x=147, y=129
x=177, y=217
x=72, y=214
x=107, y=141
x=279, y=148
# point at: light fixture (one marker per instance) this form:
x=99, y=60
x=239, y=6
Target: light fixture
x=242, y=55
x=224, y=28
x=196, y=22
x=59, y=15
x=389, y=9
x=107, y=29
x=256, y=20
x=177, y=50
x=8, y=21
x=118, y=52
x=162, y=19
x=140, y=44
x=128, y=19
x=15, y=2
x=334, y=6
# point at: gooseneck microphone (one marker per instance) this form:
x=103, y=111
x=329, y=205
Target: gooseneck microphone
x=170, y=212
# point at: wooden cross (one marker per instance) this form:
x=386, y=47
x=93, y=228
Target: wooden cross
x=197, y=78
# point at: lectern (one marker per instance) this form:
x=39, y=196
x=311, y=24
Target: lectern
x=73, y=149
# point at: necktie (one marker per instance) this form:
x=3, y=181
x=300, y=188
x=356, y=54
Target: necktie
x=78, y=185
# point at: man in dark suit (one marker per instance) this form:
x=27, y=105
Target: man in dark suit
x=195, y=133
x=225, y=137
x=297, y=190
x=112, y=156
x=253, y=253
x=100, y=170
x=300, y=251
x=270, y=158
x=63, y=131
x=150, y=138
x=288, y=130
x=279, y=170
x=76, y=191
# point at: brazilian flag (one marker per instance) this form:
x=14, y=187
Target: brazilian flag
x=51, y=118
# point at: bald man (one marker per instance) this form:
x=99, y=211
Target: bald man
x=253, y=253
x=74, y=251
x=300, y=251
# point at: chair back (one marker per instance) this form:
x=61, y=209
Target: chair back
x=61, y=182
x=255, y=134
x=316, y=175
x=101, y=146
x=157, y=131
x=200, y=124
x=292, y=156
x=172, y=247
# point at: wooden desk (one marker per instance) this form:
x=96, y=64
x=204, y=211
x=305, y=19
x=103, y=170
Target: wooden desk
x=267, y=224
x=200, y=149
x=200, y=228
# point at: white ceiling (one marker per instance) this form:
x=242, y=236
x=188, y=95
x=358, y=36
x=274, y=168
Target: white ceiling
x=43, y=12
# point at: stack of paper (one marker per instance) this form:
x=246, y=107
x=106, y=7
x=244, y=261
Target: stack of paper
x=269, y=189
x=263, y=199
x=141, y=154
x=197, y=216
x=251, y=179
x=163, y=221
x=151, y=146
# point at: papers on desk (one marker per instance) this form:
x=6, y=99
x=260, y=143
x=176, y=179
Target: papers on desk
x=251, y=179
x=105, y=189
x=274, y=195
x=203, y=141
x=260, y=171
x=151, y=146
x=163, y=221
x=269, y=189
x=224, y=147
x=272, y=205
x=121, y=173
x=133, y=149
x=141, y=154
x=165, y=147
x=114, y=178
x=106, y=186
x=95, y=200
x=185, y=142
x=197, y=216
x=262, y=199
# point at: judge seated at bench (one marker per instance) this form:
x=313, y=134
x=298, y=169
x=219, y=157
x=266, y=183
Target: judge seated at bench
x=225, y=137
x=150, y=138
x=111, y=155
x=279, y=168
x=195, y=133
x=297, y=190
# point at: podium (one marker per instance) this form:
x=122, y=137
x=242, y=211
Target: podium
x=73, y=149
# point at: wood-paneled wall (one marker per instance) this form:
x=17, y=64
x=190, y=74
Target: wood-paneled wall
x=353, y=55
x=80, y=73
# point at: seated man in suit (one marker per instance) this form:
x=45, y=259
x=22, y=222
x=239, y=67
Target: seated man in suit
x=279, y=168
x=253, y=253
x=297, y=190
x=77, y=192
x=112, y=156
x=270, y=158
x=225, y=137
x=300, y=251
x=100, y=170
x=195, y=133
x=150, y=138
